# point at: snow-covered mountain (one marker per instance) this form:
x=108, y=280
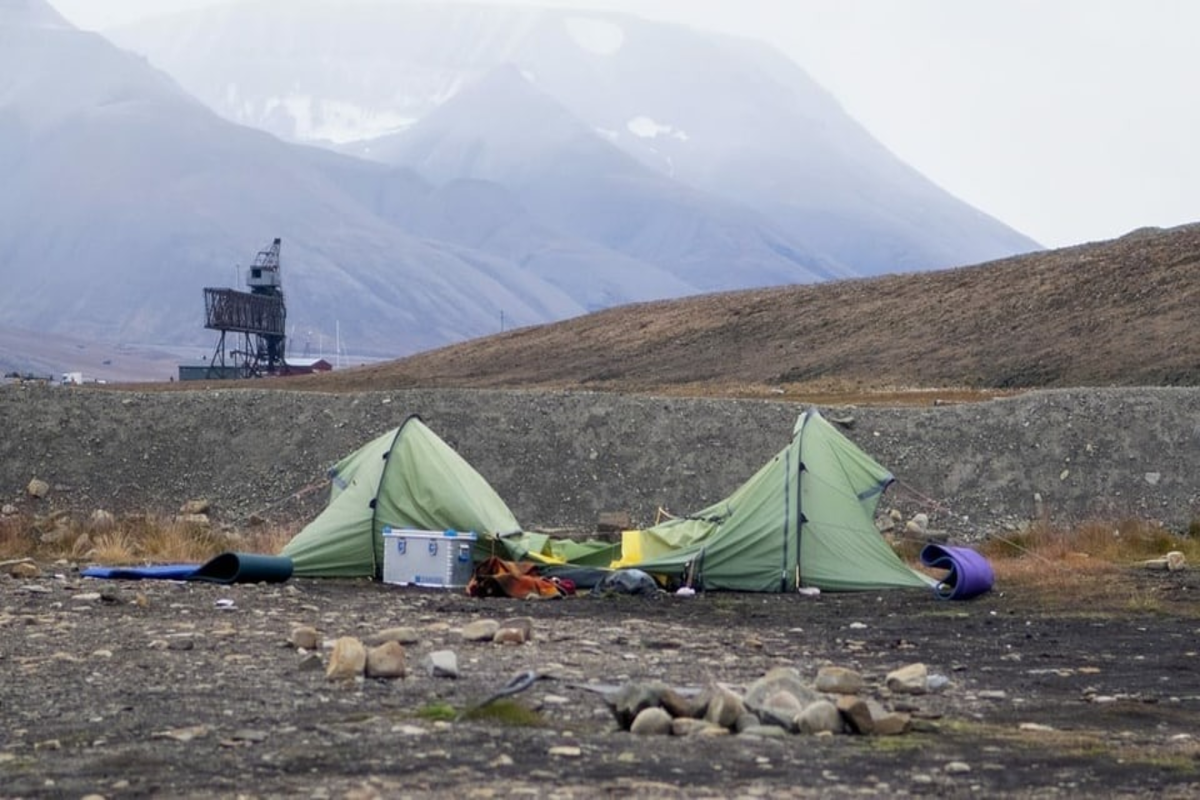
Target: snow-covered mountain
x=124, y=196
x=731, y=118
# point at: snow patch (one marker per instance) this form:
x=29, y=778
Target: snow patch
x=529, y=76
x=335, y=121
x=594, y=35
x=442, y=95
x=609, y=134
x=646, y=128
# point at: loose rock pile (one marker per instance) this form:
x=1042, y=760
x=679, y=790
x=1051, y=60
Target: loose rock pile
x=778, y=704
x=781, y=703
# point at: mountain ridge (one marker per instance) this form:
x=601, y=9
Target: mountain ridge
x=1118, y=312
x=744, y=123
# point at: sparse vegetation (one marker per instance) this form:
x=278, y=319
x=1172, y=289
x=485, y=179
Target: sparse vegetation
x=506, y=712
x=132, y=539
x=437, y=712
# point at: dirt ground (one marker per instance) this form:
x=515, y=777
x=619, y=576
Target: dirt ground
x=139, y=689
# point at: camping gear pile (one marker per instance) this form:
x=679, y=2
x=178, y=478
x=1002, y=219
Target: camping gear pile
x=805, y=520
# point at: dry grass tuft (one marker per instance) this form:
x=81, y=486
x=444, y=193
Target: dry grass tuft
x=1092, y=546
x=1088, y=565
x=133, y=539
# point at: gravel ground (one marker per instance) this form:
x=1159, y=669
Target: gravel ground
x=158, y=689
x=560, y=459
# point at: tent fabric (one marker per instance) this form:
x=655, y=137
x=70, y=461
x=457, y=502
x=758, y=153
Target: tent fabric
x=405, y=478
x=806, y=518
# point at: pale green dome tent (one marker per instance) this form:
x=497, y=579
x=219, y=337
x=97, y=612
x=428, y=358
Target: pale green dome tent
x=806, y=518
x=406, y=478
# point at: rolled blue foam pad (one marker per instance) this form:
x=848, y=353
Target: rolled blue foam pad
x=225, y=568
x=969, y=573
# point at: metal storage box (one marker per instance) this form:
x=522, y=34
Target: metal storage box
x=427, y=558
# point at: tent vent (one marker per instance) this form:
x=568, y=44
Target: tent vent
x=372, y=503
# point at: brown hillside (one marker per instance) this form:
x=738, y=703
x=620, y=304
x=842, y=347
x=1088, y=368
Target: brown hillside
x=1122, y=312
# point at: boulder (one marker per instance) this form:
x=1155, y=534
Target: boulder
x=839, y=680
x=819, y=717
x=910, y=679
x=652, y=721
x=386, y=661
x=348, y=659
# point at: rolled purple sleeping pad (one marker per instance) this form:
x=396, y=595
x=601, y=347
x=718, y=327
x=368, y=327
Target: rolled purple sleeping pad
x=969, y=574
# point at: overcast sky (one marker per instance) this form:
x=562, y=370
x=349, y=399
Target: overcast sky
x=1071, y=120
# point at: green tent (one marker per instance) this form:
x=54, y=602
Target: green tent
x=807, y=518
x=406, y=478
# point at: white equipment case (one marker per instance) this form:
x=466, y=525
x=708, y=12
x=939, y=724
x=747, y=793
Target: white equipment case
x=427, y=558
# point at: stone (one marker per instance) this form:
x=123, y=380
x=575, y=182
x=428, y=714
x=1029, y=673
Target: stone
x=785, y=678
x=101, y=520
x=746, y=720
x=685, y=705
x=956, y=768
x=304, y=637
x=857, y=714
x=891, y=723
x=441, y=664
x=195, y=507
x=522, y=624
x=37, y=488
x=509, y=636
x=628, y=700
x=348, y=659
x=839, y=680
x=311, y=662
x=1176, y=561
x=386, y=661
x=25, y=570
x=711, y=730
x=686, y=726
x=819, y=717
x=653, y=721
x=199, y=520
x=8, y=510
x=765, y=732
x=614, y=522
x=724, y=707
x=480, y=630
x=910, y=679
x=402, y=635
x=781, y=708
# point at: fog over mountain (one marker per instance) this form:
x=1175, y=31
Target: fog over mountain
x=731, y=117
x=125, y=196
x=477, y=164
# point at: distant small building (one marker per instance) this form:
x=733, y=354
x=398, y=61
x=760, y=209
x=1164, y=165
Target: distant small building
x=306, y=366
x=205, y=371
x=209, y=372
